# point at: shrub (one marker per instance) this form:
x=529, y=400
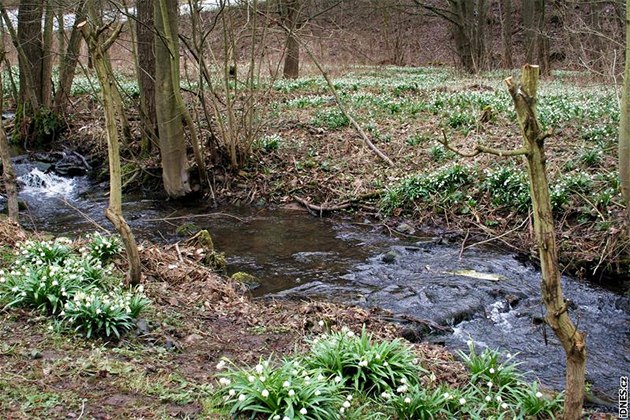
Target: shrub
x=104, y=248
x=507, y=187
x=289, y=390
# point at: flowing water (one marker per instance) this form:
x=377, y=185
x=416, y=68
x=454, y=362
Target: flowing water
x=488, y=296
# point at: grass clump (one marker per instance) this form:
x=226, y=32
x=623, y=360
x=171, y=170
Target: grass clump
x=76, y=287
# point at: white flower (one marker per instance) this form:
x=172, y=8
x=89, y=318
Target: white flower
x=350, y=334
x=385, y=395
x=447, y=396
x=291, y=393
x=262, y=378
x=286, y=418
x=276, y=417
x=318, y=392
x=407, y=400
x=432, y=377
x=224, y=381
x=250, y=378
x=55, y=283
x=342, y=410
x=403, y=380
x=349, y=398
x=363, y=363
x=264, y=393
x=492, y=370
x=303, y=411
x=241, y=397
x=385, y=363
x=231, y=392
x=402, y=389
x=469, y=343
x=499, y=399
x=259, y=369
x=338, y=379
x=462, y=401
x=221, y=365
x=286, y=384
x=490, y=384
x=504, y=406
x=320, y=323
x=539, y=394
x=488, y=398
x=346, y=404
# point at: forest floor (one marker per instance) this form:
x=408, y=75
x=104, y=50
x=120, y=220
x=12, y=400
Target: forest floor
x=309, y=155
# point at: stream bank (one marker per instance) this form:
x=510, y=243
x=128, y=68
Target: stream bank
x=433, y=289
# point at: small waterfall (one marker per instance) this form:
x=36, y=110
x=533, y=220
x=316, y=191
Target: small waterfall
x=36, y=182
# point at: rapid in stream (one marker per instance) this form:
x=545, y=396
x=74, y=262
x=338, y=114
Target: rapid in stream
x=490, y=297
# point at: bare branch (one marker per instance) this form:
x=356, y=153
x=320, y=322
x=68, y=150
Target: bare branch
x=480, y=148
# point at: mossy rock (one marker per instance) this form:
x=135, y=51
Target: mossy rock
x=246, y=279
x=189, y=228
x=202, y=239
x=216, y=261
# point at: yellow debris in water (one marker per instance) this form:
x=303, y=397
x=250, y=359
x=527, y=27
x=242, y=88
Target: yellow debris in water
x=477, y=275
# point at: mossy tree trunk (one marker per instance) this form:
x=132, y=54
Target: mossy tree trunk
x=557, y=317
x=169, y=105
x=291, y=68
x=7, y=166
x=624, y=125
x=93, y=32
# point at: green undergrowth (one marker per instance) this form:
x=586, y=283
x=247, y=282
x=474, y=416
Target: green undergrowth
x=462, y=188
x=345, y=375
x=76, y=286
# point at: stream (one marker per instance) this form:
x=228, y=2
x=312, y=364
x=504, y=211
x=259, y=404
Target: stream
x=488, y=296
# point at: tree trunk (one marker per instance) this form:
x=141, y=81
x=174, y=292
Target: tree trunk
x=557, y=317
x=29, y=38
x=98, y=50
x=542, y=40
x=168, y=111
x=7, y=165
x=624, y=125
x=146, y=69
x=528, y=13
x=506, y=30
x=291, y=67
x=47, y=57
x=69, y=62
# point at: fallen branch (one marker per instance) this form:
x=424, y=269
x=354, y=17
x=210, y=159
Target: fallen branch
x=320, y=209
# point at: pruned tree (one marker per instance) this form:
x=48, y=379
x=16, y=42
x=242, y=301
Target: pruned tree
x=573, y=341
x=94, y=33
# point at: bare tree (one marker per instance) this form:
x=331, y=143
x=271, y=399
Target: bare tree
x=624, y=125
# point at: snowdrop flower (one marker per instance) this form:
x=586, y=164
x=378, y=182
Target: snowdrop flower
x=432, y=377
x=221, y=365
x=349, y=398
x=385, y=363
x=250, y=378
x=320, y=323
x=338, y=379
x=265, y=393
x=492, y=370
x=385, y=395
x=407, y=400
x=259, y=368
x=363, y=363
x=276, y=417
x=286, y=418
x=504, y=406
x=402, y=389
x=447, y=396
x=224, y=381
x=241, y=397
x=488, y=398
x=262, y=378
x=286, y=384
x=490, y=384
x=462, y=401
x=318, y=392
x=350, y=334
x=499, y=399
x=539, y=394
x=291, y=393
x=231, y=392
x=303, y=411
x=342, y=410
